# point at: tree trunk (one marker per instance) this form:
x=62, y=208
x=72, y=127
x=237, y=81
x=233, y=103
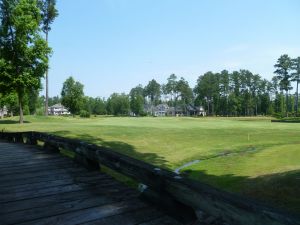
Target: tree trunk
x=208, y=108
x=227, y=106
x=287, y=103
x=256, y=109
x=282, y=102
x=297, y=97
x=21, y=119
x=46, y=100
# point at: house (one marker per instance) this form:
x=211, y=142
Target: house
x=3, y=112
x=188, y=110
x=58, y=109
x=165, y=110
x=195, y=110
x=161, y=110
x=175, y=111
x=201, y=111
x=148, y=108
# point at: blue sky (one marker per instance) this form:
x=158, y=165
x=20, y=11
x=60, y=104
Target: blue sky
x=114, y=45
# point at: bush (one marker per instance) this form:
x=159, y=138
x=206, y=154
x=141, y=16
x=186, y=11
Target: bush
x=84, y=114
x=40, y=111
x=26, y=110
x=278, y=115
x=143, y=114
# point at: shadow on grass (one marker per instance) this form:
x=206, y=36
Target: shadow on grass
x=118, y=146
x=282, y=190
x=11, y=121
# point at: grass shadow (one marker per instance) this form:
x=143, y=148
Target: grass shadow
x=118, y=146
x=11, y=122
x=281, y=190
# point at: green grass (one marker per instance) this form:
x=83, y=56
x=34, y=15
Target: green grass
x=263, y=158
x=272, y=174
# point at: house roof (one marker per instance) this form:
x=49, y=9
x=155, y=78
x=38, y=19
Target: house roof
x=58, y=105
x=161, y=107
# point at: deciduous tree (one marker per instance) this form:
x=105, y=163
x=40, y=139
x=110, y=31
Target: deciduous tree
x=118, y=104
x=137, y=100
x=72, y=95
x=24, y=53
x=152, y=90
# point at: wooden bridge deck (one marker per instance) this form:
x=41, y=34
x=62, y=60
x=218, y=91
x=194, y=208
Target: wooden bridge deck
x=37, y=187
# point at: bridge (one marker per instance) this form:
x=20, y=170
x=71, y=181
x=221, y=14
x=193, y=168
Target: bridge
x=38, y=185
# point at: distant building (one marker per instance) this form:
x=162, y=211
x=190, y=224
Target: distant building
x=165, y=110
x=188, y=110
x=3, y=112
x=200, y=111
x=148, y=108
x=161, y=110
x=175, y=111
x=57, y=110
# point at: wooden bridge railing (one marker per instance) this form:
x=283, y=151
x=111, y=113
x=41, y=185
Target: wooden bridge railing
x=230, y=208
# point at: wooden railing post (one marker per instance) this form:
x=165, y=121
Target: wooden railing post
x=82, y=158
x=30, y=138
x=9, y=137
x=51, y=147
x=18, y=138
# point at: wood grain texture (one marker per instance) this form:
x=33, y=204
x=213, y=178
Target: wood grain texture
x=47, y=188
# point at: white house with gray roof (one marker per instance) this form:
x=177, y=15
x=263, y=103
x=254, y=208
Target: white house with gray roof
x=58, y=109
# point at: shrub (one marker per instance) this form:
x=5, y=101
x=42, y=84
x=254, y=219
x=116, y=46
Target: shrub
x=84, y=114
x=40, y=111
x=143, y=114
x=278, y=115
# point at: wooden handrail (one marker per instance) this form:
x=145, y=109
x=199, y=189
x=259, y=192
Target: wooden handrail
x=231, y=208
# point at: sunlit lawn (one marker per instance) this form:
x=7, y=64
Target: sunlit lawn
x=265, y=165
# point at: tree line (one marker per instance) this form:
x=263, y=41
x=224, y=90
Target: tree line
x=237, y=93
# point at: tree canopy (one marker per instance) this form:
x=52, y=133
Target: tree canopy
x=153, y=91
x=72, y=95
x=283, y=68
x=24, y=52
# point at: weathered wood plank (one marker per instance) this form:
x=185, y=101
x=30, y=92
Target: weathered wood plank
x=26, y=155
x=5, y=189
x=129, y=218
x=89, y=214
x=58, y=176
x=34, y=191
x=32, y=169
x=75, y=204
x=17, y=151
x=14, y=177
x=48, y=190
x=36, y=164
x=29, y=162
x=164, y=220
x=58, y=198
